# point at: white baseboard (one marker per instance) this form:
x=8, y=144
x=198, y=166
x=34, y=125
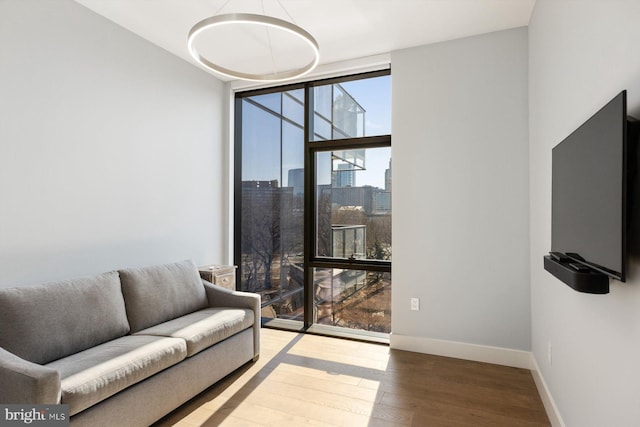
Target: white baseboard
x=459, y=350
x=487, y=354
x=547, y=400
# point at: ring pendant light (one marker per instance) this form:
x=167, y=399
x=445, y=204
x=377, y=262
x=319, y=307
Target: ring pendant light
x=253, y=19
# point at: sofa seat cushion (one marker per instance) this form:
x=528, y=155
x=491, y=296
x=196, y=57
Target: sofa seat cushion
x=95, y=374
x=204, y=328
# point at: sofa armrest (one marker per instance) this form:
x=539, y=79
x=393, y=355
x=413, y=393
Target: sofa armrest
x=22, y=381
x=221, y=297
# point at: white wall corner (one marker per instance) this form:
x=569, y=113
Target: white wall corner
x=479, y=353
x=547, y=399
x=230, y=173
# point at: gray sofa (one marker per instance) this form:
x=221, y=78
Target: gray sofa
x=123, y=348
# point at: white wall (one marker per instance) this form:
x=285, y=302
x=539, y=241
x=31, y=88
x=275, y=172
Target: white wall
x=111, y=151
x=460, y=192
x=582, y=53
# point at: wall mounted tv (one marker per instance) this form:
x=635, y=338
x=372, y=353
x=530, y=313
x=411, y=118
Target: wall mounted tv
x=589, y=202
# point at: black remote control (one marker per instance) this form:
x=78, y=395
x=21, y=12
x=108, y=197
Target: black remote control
x=581, y=268
x=559, y=256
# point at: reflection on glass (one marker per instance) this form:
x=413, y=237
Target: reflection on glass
x=270, y=101
x=272, y=195
x=353, y=299
x=348, y=160
x=348, y=241
x=292, y=107
x=353, y=199
x=352, y=109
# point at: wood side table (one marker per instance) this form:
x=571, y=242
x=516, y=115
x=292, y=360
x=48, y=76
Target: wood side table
x=221, y=275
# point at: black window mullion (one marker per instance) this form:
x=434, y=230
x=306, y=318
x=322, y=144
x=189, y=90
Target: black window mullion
x=237, y=189
x=308, y=206
x=365, y=265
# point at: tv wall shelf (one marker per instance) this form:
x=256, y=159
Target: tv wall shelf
x=590, y=282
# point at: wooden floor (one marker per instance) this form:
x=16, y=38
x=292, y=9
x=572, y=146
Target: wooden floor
x=303, y=380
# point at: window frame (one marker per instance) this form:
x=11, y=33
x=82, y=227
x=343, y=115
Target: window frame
x=311, y=147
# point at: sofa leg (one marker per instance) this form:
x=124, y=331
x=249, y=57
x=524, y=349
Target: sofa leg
x=255, y=358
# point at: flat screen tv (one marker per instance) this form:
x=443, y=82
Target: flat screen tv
x=589, y=194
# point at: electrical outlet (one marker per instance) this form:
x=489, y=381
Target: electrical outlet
x=549, y=358
x=415, y=304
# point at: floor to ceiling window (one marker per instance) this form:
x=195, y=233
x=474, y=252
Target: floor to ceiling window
x=313, y=202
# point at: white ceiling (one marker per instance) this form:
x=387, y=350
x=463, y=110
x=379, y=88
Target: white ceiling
x=344, y=29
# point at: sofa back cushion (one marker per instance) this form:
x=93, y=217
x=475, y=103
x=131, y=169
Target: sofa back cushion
x=156, y=294
x=50, y=321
